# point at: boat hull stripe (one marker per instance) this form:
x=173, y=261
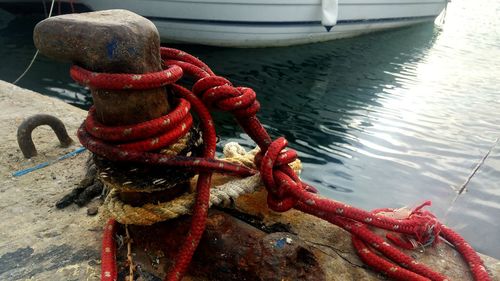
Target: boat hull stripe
x=287, y=23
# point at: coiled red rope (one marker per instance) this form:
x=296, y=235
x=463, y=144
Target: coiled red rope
x=285, y=189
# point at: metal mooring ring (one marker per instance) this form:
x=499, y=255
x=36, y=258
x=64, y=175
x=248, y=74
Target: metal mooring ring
x=24, y=131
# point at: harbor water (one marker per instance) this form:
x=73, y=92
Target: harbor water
x=389, y=119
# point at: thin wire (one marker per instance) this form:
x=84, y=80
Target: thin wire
x=479, y=164
x=36, y=53
x=463, y=187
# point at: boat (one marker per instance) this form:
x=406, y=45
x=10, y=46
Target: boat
x=266, y=23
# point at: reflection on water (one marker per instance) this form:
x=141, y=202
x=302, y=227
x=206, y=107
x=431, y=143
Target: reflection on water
x=45, y=76
x=388, y=119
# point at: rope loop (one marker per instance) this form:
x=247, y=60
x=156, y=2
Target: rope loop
x=141, y=130
x=206, y=83
x=178, y=55
x=125, y=81
x=147, y=136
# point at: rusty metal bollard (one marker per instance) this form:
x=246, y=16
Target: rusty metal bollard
x=229, y=250
x=119, y=41
x=115, y=41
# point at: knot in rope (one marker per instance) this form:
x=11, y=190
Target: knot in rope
x=278, y=177
x=218, y=92
x=428, y=232
x=419, y=227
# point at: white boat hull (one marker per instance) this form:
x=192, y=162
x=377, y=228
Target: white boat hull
x=268, y=36
x=261, y=23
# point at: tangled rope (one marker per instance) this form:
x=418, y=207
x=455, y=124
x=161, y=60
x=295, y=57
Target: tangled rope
x=285, y=189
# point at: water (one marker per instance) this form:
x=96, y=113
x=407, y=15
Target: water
x=385, y=120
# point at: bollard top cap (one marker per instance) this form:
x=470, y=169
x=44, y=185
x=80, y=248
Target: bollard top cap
x=105, y=41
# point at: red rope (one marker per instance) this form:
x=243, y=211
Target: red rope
x=108, y=253
x=285, y=189
x=121, y=81
x=138, y=131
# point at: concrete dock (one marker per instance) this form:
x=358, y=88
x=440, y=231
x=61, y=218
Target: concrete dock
x=40, y=242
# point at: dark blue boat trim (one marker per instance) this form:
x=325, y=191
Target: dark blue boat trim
x=386, y=20
x=286, y=23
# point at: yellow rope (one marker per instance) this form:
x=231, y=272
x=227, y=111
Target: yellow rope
x=147, y=214
x=177, y=147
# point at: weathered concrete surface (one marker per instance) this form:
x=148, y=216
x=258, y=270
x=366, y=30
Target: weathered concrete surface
x=39, y=242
